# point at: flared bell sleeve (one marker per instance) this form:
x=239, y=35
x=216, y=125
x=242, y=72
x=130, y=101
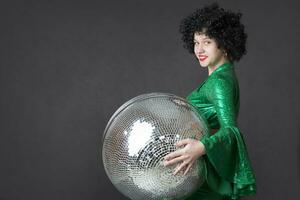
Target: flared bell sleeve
x=229, y=166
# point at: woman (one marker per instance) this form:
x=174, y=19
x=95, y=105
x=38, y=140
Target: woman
x=217, y=39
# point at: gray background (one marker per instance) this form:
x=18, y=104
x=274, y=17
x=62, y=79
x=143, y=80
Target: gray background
x=67, y=66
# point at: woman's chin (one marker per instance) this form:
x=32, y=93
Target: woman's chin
x=203, y=64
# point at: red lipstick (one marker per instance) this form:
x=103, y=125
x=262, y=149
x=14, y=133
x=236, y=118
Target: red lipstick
x=202, y=58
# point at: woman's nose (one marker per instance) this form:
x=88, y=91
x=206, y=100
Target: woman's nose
x=199, y=49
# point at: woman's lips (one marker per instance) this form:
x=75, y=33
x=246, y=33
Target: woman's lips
x=202, y=58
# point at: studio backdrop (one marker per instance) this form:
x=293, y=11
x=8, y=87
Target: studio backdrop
x=66, y=66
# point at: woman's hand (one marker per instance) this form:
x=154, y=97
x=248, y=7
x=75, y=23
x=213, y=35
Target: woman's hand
x=191, y=151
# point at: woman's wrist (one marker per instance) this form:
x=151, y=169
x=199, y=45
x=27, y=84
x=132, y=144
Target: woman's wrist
x=202, y=148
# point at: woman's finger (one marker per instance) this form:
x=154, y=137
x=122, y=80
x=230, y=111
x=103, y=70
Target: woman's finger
x=173, y=155
x=181, y=166
x=173, y=161
x=177, y=166
x=188, y=168
x=182, y=142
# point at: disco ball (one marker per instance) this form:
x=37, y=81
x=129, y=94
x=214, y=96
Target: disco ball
x=138, y=136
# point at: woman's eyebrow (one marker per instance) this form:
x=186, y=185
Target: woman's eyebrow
x=202, y=39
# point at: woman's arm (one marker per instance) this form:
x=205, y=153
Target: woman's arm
x=222, y=96
x=221, y=146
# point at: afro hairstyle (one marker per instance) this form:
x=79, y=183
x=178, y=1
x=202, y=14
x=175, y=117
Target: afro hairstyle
x=222, y=25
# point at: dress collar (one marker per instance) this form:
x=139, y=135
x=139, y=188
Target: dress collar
x=222, y=67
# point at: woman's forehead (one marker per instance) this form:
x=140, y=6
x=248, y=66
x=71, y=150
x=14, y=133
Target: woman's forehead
x=199, y=36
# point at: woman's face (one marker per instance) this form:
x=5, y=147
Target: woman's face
x=207, y=51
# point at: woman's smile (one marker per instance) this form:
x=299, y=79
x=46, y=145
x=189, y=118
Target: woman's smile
x=202, y=57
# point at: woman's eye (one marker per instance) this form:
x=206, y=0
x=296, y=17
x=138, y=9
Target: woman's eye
x=207, y=42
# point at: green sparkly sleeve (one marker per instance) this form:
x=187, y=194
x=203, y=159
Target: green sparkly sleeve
x=226, y=150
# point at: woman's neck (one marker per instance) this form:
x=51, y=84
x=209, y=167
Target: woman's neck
x=211, y=69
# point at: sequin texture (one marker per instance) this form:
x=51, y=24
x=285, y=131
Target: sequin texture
x=229, y=171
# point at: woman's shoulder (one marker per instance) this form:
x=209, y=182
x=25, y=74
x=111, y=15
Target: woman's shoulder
x=222, y=80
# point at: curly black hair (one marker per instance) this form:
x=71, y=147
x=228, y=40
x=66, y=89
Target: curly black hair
x=219, y=24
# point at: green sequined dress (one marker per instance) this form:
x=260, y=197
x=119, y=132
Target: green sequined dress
x=228, y=170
